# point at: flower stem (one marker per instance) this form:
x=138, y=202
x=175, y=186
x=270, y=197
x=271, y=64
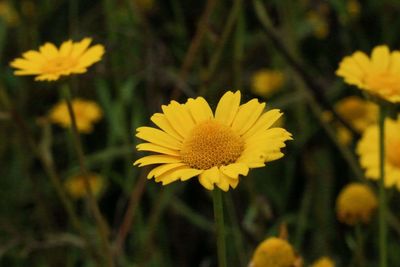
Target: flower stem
x=382, y=195
x=102, y=227
x=219, y=222
x=360, y=246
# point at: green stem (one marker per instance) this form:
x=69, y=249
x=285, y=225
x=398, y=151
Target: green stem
x=219, y=222
x=102, y=227
x=360, y=246
x=382, y=193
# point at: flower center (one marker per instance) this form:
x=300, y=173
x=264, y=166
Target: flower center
x=211, y=144
x=385, y=83
x=392, y=152
x=58, y=64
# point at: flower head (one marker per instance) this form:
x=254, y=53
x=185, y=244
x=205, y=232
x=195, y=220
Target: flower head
x=323, y=262
x=86, y=113
x=50, y=63
x=265, y=82
x=368, y=151
x=355, y=204
x=378, y=75
x=192, y=141
x=75, y=185
x=273, y=252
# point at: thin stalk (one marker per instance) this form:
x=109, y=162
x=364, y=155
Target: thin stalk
x=220, y=227
x=382, y=192
x=360, y=246
x=102, y=227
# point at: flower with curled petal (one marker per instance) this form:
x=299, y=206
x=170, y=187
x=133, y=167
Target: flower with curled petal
x=50, y=63
x=194, y=142
x=379, y=75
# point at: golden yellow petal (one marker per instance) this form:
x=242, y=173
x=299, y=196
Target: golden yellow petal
x=34, y=56
x=235, y=169
x=362, y=60
x=227, y=107
x=49, y=50
x=169, y=176
x=395, y=62
x=158, y=137
x=209, y=177
x=161, y=121
x=66, y=48
x=223, y=182
x=380, y=58
x=159, y=170
x=92, y=55
x=79, y=48
x=265, y=121
x=157, y=148
x=199, y=109
x=247, y=115
x=186, y=174
x=179, y=118
x=156, y=159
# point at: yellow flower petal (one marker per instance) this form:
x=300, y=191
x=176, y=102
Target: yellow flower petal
x=158, y=137
x=156, y=159
x=209, y=177
x=157, y=148
x=199, y=109
x=247, y=115
x=227, y=108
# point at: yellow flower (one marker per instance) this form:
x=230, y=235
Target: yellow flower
x=319, y=24
x=217, y=148
x=8, y=14
x=355, y=204
x=323, y=262
x=273, y=252
x=357, y=112
x=86, y=113
x=378, y=75
x=266, y=82
x=353, y=7
x=75, y=185
x=368, y=151
x=49, y=63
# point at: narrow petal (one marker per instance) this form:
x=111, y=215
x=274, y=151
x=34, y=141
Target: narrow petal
x=92, y=55
x=66, y=48
x=158, y=149
x=156, y=159
x=209, y=177
x=49, y=50
x=79, y=48
x=227, y=107
x=199, y=109
x=235, y=169
x=161, y=121
x=265, y=121
x=179, y=117
x=247, y=115
x=159, y=170
x=158, y=137
x=380, y=58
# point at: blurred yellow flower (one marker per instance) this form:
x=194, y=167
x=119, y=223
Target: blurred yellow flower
x=75, y=185
x=368, y=151
x=356, y=111
x=323, y=262
x=265, y=82
x=86, y=112
x=378, y=75
x=318, y=23
x=8, y=14
x=355, y=204
x=353, y=7
x=273, y=252
x=215, y=147
x=49, y=63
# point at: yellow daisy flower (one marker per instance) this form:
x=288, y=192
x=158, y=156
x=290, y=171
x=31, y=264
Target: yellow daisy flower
x=378, y=75
x=192, y=141
x=355, y=204
x=368, y=151
x=273, y=252
x=265, y=82
x=75, y=185
x=49, y=63
x=323, y=262
x=86, y=113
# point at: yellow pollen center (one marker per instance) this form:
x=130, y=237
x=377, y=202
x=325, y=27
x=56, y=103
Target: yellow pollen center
x=58, y=64
x=386, y=83
x=211, y=144
x=392, y=152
